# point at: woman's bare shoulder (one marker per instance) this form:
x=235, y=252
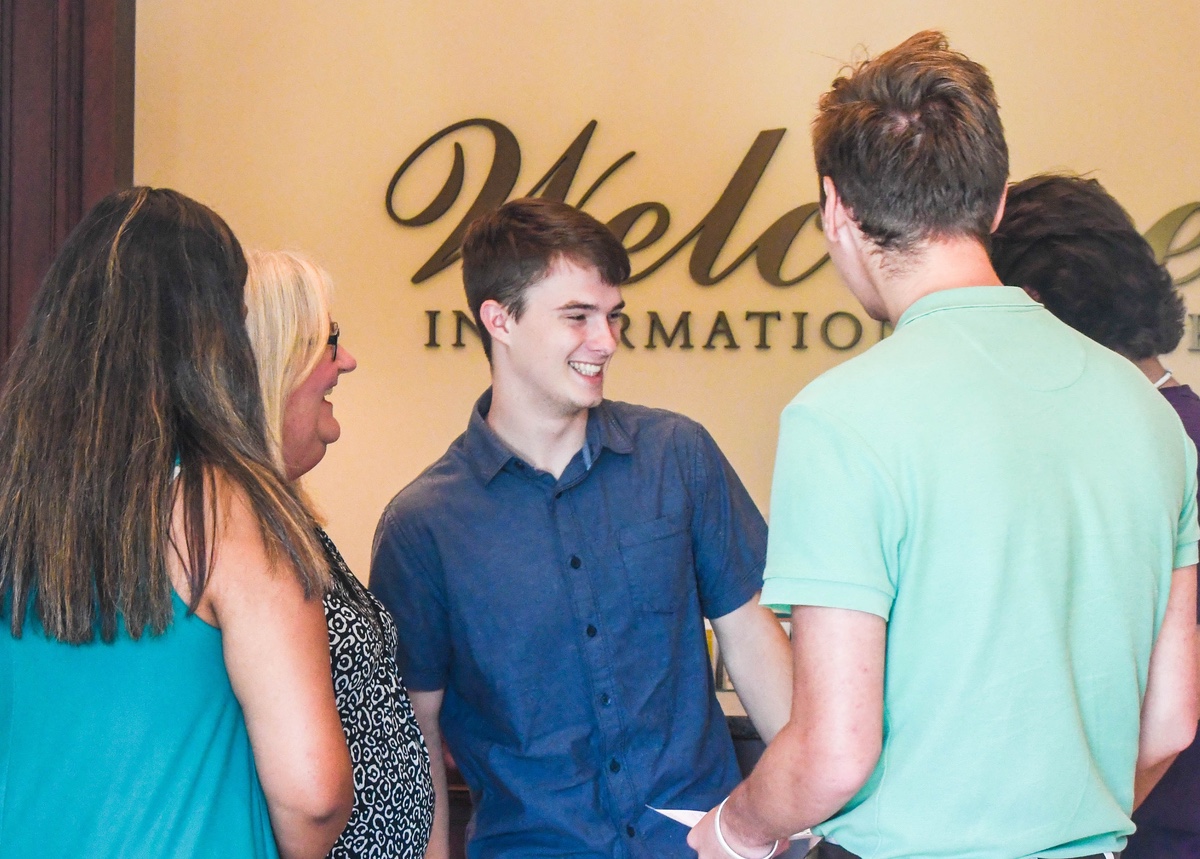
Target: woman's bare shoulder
x=240, y=561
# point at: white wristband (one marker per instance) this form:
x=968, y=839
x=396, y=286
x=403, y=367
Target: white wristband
x=733, y=854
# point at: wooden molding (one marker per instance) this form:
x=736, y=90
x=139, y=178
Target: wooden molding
x=66, y=132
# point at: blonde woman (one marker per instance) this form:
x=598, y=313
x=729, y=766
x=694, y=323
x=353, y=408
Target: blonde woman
x=300, y=359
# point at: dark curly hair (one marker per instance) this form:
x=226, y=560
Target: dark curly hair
x=1067, y=240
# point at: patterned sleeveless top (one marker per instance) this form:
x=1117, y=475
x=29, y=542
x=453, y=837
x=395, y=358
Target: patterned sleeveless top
x=393, y=790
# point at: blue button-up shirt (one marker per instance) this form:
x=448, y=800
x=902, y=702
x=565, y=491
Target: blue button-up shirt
x=564, y=620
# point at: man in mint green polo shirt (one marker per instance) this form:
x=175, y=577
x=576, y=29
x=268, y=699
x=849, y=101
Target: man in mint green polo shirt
x=985, y=526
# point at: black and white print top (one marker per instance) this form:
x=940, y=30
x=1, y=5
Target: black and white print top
x=393, y=790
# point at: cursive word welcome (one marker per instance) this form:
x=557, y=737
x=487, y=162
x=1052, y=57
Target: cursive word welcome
x=1174, y=235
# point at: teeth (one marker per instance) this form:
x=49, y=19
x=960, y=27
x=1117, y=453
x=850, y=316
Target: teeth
x=586, y=369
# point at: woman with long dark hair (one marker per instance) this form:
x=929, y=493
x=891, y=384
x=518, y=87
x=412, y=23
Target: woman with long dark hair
x=166, y=687
x=300, y=360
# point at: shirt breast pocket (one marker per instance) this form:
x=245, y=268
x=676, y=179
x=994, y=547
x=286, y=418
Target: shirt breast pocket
x=657, y=556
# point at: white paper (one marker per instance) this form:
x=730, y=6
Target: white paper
x=685, y=816
x=690, y=818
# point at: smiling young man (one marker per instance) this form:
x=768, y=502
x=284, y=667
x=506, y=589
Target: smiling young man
x=985, y=525
x=551, y=573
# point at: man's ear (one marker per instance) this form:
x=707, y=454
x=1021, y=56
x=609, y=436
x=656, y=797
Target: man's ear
x=496, y=319
x=833, y=214
x=1000, y=210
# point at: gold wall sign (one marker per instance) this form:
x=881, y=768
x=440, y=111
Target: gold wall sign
x=708, y=237
x=763, y=329
x=1175, y=235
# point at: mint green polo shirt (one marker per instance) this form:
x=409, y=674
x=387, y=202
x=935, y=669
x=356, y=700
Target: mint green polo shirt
x=1012, y=498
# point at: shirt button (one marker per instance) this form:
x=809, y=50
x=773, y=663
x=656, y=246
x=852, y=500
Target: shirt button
x=605, y=699
x=629, y=830
x=591, y=631
x=614, y=765
x=575, y=562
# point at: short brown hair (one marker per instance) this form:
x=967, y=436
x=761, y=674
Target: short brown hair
x=509, y=250
x=913, y=143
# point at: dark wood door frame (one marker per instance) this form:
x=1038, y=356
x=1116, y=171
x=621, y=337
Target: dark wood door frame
x=66, y=131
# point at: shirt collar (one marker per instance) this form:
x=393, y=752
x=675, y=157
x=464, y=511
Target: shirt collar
x=488, y=454
x=605, y=431
x=966, y=297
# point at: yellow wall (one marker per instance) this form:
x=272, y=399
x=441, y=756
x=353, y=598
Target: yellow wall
x=289, y=118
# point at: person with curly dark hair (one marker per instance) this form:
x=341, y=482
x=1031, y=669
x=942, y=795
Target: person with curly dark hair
x=1074, y=249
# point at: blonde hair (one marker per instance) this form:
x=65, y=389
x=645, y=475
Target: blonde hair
x=288, y=299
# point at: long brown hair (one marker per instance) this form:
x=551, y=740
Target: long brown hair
x=134, y=365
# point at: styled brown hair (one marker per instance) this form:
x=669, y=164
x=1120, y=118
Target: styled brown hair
x=132, y=386
x=913, y=143
x=1066, y=239
x=506, y=251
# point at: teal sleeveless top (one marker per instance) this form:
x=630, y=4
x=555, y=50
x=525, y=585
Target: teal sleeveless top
x=129, y=749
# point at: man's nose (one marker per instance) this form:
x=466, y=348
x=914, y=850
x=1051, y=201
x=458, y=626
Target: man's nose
x=604, y=337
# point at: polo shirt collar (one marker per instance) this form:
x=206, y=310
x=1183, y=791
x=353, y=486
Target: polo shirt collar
x=488, y=454
x=966, y=297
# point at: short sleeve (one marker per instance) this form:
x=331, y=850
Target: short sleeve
x=406, y=577
x=729, y=534
x=836, y=519
x=1188, y=532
